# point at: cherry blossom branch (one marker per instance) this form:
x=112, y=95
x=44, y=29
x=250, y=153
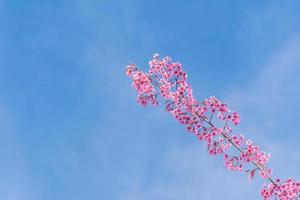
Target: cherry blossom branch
x=167, y=81
x=223, y=135
x=241, y=151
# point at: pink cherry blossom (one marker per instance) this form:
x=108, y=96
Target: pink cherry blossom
x=282, y=191
x=210, y=121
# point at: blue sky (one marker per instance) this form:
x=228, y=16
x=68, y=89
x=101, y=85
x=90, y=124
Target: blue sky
x=69, y=124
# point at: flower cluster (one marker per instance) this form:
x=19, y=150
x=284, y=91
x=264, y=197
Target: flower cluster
x=283, y=191
x=253, y=153
x=167, y=81
x=142, y=83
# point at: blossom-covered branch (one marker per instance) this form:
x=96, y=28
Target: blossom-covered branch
x=210, y=121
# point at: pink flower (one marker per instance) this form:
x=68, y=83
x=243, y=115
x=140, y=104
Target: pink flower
x=234, y=117
x=165, y=90
x=251, y=174
x=233, y=163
